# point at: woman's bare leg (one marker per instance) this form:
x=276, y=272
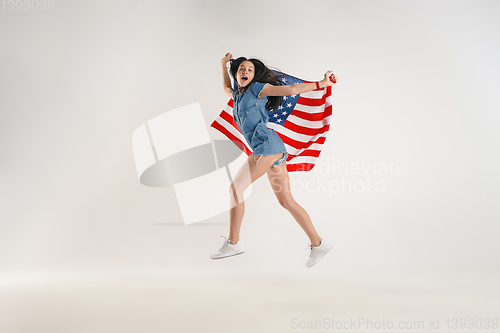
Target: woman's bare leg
x=250, y=171
x=280, y=182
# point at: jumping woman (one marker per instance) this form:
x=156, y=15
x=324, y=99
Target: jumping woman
x=260, y=90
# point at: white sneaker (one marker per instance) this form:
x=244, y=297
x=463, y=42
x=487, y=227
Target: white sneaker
x=228, y=250
x=318, y=252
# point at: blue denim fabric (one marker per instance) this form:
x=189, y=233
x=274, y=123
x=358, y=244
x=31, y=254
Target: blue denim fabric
x=249, y=112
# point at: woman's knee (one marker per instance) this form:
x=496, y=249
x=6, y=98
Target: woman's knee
x=286, y=202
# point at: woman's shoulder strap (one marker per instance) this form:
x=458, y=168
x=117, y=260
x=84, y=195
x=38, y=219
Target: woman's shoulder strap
x=256, y=88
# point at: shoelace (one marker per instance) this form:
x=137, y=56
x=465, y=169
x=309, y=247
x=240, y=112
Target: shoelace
x=227, y=241
x=309, y=246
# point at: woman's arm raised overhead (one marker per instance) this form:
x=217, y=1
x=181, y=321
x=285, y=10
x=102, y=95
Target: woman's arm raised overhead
x=226, y=82
x=295, y=89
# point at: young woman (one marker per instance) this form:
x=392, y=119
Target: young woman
x=260, y=90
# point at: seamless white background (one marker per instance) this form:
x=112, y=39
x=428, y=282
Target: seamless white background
x=417, y=87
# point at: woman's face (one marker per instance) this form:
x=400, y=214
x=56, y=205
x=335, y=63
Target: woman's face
x=245, y=73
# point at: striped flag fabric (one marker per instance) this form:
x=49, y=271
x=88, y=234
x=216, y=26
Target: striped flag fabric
x=301, y=121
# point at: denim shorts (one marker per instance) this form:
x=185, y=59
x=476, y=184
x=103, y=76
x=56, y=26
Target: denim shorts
x=269, y=143
x=277, y=162
x=281, y=160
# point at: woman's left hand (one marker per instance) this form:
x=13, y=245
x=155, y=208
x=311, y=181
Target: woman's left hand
x=327, y=82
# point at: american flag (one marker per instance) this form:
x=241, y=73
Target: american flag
x=301, y=121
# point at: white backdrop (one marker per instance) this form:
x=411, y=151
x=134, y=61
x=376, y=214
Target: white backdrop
x=417, y=91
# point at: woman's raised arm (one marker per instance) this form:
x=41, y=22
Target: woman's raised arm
x=226, y=82
x=295, y=89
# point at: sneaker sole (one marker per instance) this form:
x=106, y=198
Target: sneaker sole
x=232, y=255
x=320, y=257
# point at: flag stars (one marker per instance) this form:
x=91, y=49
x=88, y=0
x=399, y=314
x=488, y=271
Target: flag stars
x=283, y=79
x=289, y=105
x=280, y=107
x=283, y=113
x=293, y=96
x=275, y=115
x=284, y=98
x=278, y=121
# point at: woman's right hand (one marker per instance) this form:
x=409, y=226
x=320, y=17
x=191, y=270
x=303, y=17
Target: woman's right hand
x=226, y=58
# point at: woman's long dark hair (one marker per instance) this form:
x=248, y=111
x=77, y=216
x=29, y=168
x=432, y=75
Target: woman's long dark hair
x=262, y=74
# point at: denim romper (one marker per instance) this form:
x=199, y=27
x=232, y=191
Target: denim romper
x=249, y=112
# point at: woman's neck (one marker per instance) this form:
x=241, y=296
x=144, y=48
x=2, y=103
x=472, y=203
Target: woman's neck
x=241, y=89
